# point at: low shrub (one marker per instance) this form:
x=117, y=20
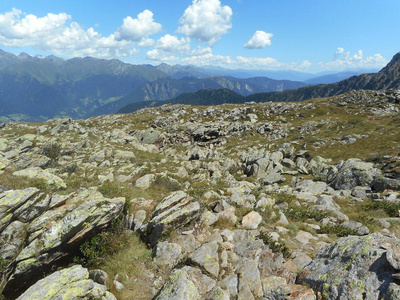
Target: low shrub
x=277, y=247
x=52, y=151
x=302, y=213
x=337, y=229
x=390, y=208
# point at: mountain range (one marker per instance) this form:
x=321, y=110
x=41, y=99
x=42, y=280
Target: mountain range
x=40, y=88
x=387, y=78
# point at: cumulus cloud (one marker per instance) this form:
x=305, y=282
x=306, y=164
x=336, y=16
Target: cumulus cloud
x=170, y=43
x=344, y=60
x=146, y=43
x=198, y=51
x=259, y=40
x=139, y=28
x=202, y=56
x=305, y=65
x=56, y=33
x=206, y=21
x=17, y=31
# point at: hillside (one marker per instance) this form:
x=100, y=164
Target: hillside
x=164, y=89
x=277, y=200
x=40, y=88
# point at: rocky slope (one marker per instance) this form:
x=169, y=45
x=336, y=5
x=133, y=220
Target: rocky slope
x=247, y=201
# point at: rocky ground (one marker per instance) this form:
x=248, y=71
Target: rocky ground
x=253, y=201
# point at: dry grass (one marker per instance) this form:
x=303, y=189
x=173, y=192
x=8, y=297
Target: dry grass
x=132, y=262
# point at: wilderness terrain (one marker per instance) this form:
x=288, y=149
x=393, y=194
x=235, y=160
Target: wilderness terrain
x=274, y=200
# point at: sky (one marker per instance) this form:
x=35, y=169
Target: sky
x=301, y=35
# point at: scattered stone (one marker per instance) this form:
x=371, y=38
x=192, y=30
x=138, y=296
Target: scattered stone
x=206, y=257
x=140, y=217
x=168, y=254
x=393, y=256
x=251, y=220
x=174, y=211
x=356, y=227
x=145, y=181
x=124, y=155
x=178, y=286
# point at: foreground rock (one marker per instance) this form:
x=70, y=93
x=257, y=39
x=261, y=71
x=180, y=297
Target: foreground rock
x=234, y=265
x=38, y=231
x=174, y=211
x=354, y=268
x=70, y=283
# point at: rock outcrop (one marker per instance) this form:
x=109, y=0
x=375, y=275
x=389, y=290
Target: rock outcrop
x=355, y=268
x=38, y=231
x=70, y=283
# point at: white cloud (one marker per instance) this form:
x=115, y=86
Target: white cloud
x=159, y=55
x=259, y=40
x=139, y=28
x=305, y=65
x=17, y=31
x=345, y=60
x=203, y=56
x=198, y=51
x=206, y=21
x=170, y=43
x=54, y=33
x=146, y=43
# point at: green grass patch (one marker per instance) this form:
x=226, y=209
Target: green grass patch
x=390, y=209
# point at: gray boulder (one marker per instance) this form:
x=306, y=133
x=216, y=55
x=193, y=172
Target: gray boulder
x=50, y=230
x=321, y=170
x=4, y=162
x=206, y=257
x=354, y=172
x=174, y=211
x=71, y=283
x=168, y=254
x=357, y=227
x=148, y=136
x=393, y=256
x=260, y=163
x=381, y=183
x=179, y=286
x=352, y=267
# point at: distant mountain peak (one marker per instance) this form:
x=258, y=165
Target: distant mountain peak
x=394, y=63
x=24, y=55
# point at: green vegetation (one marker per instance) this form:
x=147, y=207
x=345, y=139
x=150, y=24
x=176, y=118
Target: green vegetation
x=298, y=212
x=276, y=246
x=52, y=151
x=338, y=230
x=390, y=209
x=303, y=213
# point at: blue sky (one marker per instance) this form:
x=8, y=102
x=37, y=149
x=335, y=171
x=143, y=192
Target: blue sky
x=303, y=35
